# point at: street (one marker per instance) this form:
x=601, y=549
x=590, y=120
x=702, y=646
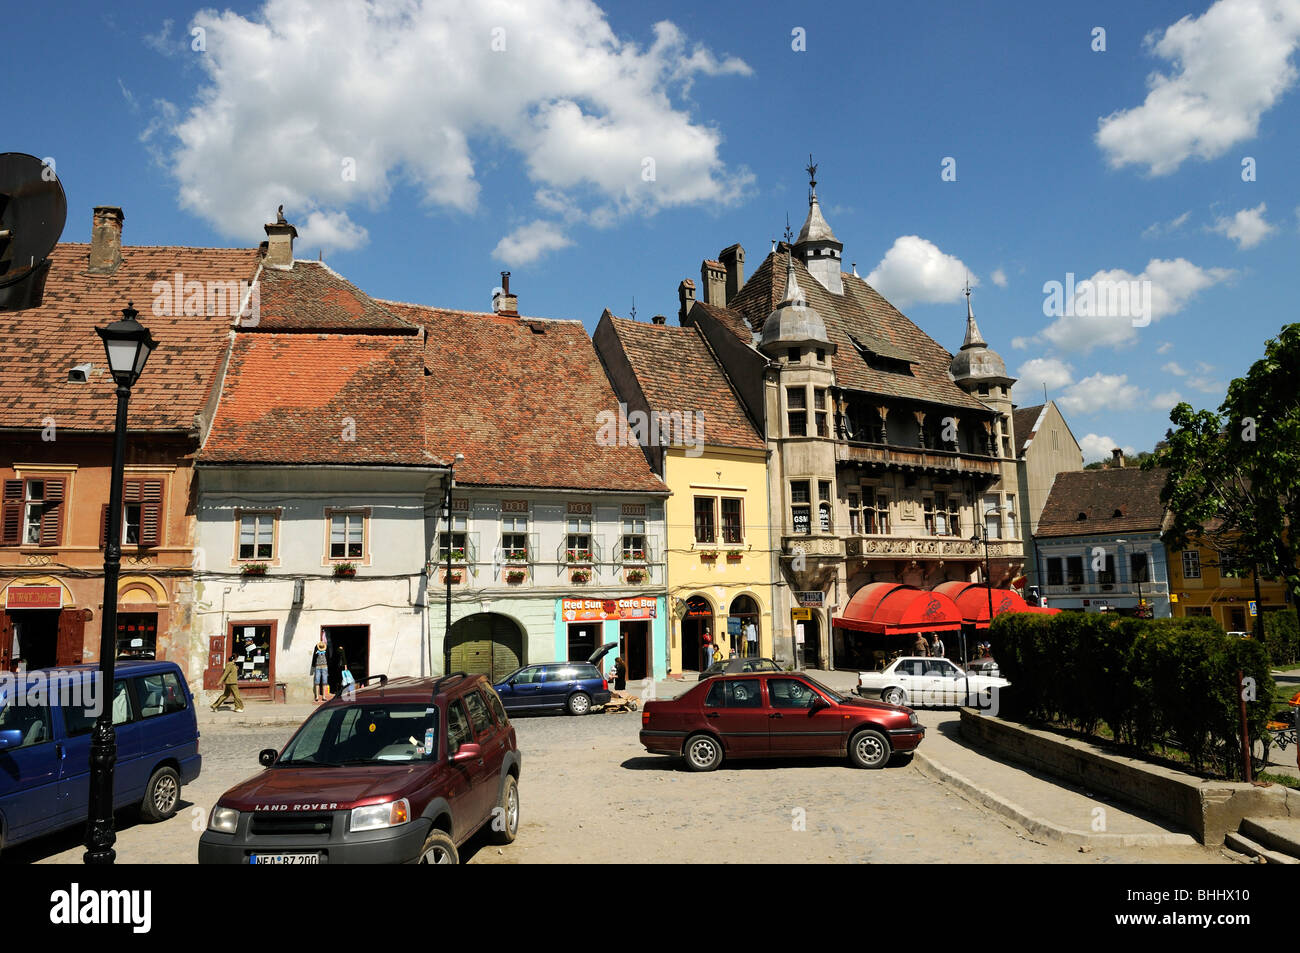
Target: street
x=591, y=794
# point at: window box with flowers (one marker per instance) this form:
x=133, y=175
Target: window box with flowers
x=454, y=576
x=708, y=555
x=457, y=556
x=580, y=575
x=636, y=575
x=515, y=576
x=634, y=556
x=345, y=570
x=517, y=555
x=253, y=569
x=735, y=554
x=578, y=555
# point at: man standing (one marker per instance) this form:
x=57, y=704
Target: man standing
x=938, y=651
x=920, y=646
x=230, y=685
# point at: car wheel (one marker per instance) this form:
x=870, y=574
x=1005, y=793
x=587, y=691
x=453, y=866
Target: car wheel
x=868, y=749
x=438, y=849
x=703, y=752
x=895, y=696
x=506, y=824
x=161, y=795
x=579, y=704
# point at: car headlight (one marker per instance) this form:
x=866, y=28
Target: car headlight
x=913, y=720
x=374, y=817
x=224, y=819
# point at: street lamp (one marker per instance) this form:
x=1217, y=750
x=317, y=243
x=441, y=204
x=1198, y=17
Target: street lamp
x=449, y=481
x=128, y=345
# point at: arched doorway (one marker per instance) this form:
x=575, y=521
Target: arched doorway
x=698, y=619
x=746, y=637
x=486, y=644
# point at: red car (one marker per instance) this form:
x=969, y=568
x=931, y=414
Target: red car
x=771, y=715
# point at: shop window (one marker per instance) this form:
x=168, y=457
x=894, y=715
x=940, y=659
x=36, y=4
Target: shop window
x=347, y=535
x=257, y=535
x=137, y=635
x=33, y=512
x=705, y=531
x=252, y=645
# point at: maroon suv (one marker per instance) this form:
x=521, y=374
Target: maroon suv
x=401, y=772
x=776, y=715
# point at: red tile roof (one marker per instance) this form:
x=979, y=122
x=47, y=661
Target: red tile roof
x=43, y=343
x=313, y=297
x=1097, y=496
x=677, y=373
x=519, y=397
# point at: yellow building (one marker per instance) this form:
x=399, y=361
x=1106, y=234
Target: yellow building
x=681, y=409
x=1198, y=586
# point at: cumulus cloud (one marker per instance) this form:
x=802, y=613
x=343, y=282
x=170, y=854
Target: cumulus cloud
x=1227, y=67
x=328, y=107
x=1098, y=447
x=527, y=243
x=999, y=277
x=1173, y=367
x=1165, y=347
x=1101, y=391
x=1247, y=228
x=1166, y=400
x=1034, y=374
x=1020, y=342
x=1105, y=319
x=916, y=271
x=1156, y=229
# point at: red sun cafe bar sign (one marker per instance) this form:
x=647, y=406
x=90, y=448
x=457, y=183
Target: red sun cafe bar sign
x=603, y=610
x=33, y=597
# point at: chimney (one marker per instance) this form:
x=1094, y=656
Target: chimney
x=685, y=298
x=658, y=319
x=106, y=240
x=733, y=259
x=503, y=302
x=279, y=243
x=1117, y=458
x=713, y=282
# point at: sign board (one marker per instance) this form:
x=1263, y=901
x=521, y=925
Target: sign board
x=798, y=633
x=607, y=610
x=1254, y=608
x=34, y=597
x=802, y=522
x=798, y=614
x=814, y=600
x=733, y=625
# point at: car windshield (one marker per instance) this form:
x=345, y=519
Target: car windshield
x=830, y=692
x=365, y=734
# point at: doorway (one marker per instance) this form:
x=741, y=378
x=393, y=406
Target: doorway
x=486, y=644
x=354, y=641
x=634, y=646
x=583, y=640
x=745, y=639
x=810, y=651
x=36, y=637
x=698, y=620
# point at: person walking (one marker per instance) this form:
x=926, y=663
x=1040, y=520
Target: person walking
x=920, y=646
x=230, y=685
x=620, y=674
x=938, y=651
x=320, y=670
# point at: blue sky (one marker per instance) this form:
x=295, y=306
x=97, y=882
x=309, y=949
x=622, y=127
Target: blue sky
x=491, y=136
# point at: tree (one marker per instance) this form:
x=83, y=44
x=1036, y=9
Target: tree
x=1234, y=475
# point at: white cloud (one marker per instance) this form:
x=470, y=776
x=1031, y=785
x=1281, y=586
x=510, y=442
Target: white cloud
x=1173, y=367
x=326, y=230
x=1166, y=400
x=529, y=242
x=1165, y=347
x=299, y=93
x=1247, y=228
x=1227, y=67
x=1101, y=392
x=1164, y=287
x=999, y=277
x=1097, y=447
x=1156, y=229
x=162, y=41
x=129, y=96
x=1206, y=385
x=915, y=270
x=1203, y=367
x=1033, y=374
x=1020, y=342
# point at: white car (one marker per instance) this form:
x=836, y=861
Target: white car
x=920, y=682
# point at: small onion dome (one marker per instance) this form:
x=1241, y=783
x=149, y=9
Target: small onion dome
x=793, y=321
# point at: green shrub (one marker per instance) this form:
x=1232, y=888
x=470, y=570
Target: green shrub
x=1282, y=637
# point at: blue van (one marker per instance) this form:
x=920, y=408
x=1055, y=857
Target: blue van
x=46, y=720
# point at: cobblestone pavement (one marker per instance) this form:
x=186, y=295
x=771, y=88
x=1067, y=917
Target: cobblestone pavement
x=590, y=793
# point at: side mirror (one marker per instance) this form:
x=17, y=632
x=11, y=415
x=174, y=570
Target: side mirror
x=818, y=703
x=12, y=738
x=267, y=757
x=467, y=752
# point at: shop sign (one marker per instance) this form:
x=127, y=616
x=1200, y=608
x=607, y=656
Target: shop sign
x=813, y=600
x=608, y=610
x=797, y=614
x=34, y=597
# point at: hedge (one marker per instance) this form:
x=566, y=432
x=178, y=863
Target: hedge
x=1282, y=637
x=1150, y=681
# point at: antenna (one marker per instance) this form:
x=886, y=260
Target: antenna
x=33, y=210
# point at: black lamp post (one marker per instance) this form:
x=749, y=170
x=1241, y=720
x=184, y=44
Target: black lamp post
x=128, y=345
x=983, y=537
x=449, y=481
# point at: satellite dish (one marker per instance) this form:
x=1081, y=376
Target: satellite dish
x=33, y=210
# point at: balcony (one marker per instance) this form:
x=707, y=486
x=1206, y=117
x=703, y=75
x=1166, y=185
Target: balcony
x=882, y=455
x=1101, y=590
x=813, y=547
x=929, y=547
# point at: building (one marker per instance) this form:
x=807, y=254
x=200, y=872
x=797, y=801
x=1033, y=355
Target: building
x=1203, y=582
x=557, y=521
x=709, y=453
x=887, y=452
x=313, y=485
x=1098, y=540
x=57, y=409
x=1045, y=446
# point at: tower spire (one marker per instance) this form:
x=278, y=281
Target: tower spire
x=811, y=169
x=973, y=337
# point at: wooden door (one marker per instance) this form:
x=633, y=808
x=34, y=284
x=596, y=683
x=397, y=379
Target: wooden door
x=72, y=637
x=6, y=641
x=216, y=662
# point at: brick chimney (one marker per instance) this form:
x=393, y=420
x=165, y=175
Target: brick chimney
x=503, y=302
x=713, y=282
x=1117, y=458
x=106, y=240
x=279, y=244
x=733, y=259
x=685, y=298
x=658, y=319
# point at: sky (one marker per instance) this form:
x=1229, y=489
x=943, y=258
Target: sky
x=1060, y=157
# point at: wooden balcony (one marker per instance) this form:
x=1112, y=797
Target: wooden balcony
x=887, y=457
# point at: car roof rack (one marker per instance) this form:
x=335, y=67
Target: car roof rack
x=383, y=680
x=437, y=686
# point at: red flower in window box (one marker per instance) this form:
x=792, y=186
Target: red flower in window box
x=734, y=554
x=345, y=570
x=636, y=575
x=253, y=569
x=580, y=575
x=709, y=555
x=515, y=575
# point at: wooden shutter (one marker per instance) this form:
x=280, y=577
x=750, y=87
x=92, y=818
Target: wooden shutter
x=6, y=641
x=103, y=527
x=151, y=493
x=13, y=513
x=52, y=517
x=72, y=637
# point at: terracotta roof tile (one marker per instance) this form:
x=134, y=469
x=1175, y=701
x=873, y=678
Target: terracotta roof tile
x=313, y=297
x=43, y=343
x=1099, y=494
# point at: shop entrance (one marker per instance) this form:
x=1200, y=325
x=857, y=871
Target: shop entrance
x=698, y=620
x=810, y=651
x=35, y=639
x=486, y=644
x=745, y=637
x=583, y=640
x=354, y=642
x=634, y=646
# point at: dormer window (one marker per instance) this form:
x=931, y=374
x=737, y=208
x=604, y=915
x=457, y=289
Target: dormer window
x=1118, y=513
x=1082, y=516
x=792, y=355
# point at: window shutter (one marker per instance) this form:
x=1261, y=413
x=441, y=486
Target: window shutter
x=534, y=547
x=471, y=552
x=150, y=512
x=52, y=518
x=13, y=512
x=103, y=527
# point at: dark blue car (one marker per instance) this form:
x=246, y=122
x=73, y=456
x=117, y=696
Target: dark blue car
x=46, y=719
x=570, y=686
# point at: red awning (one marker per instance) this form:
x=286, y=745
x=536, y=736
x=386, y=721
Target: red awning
x=973, y=602
x=886, y=608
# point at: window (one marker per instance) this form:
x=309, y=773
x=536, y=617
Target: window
x=792, y=355
x=882, y=514
x=1107, y=576
x=855, y=515
x=821, y=355
x=32, y=722
x=458, y=732
x=1191, y=564
x=514, y=538
x=1074, y=570
x=495, y=701
x=705, y=527
x=137, y=635
x=954, y=514
x=459, y=525
x=1011, y=516
x=733, y=529
x=159, y=694
x=927, y=505
x=347, y=535
x=992, y=518
x=796, y=400
x=941, y=515
x=824, y=505
x=478, y=713
x=1054, y=575
x=733, y=693
x=790, y=693
x=141, y=514
x=1137, y=563
x=633, y=540
x=819, y=406
x=1200, y=611
x=578, y=539
x=32, y=512
x=800, y=506
x=256, y=535
x=79, y=720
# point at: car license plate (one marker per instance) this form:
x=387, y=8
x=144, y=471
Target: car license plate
x=284, y=858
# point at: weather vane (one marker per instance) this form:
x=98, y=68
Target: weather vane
x=788, y=234
x=634, y=307
x=811, y=169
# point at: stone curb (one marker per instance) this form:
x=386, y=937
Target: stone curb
x=1244, y=845
x=1037, y=825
